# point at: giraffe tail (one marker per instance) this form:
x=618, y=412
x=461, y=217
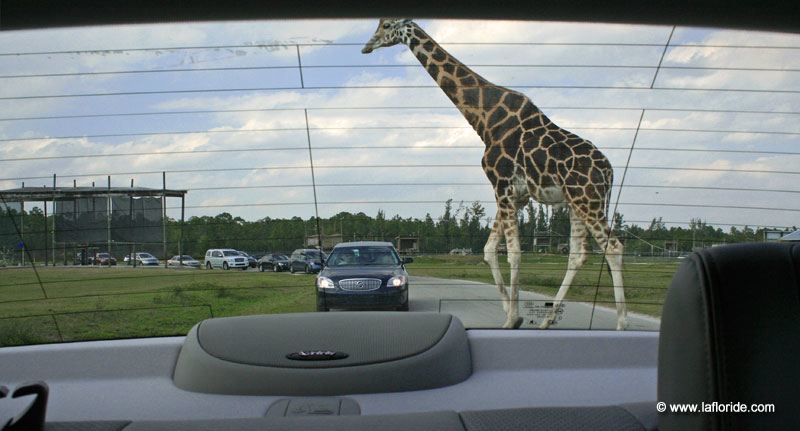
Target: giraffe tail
x=610, y=219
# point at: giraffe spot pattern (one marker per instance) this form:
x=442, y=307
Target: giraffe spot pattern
x=513, y=101
x=434, y=71
x=469, y=81
x=471, y=97
x=491, y=96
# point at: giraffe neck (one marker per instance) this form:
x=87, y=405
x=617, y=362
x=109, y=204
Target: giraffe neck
x=461, y=85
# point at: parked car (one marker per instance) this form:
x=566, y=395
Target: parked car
x=251, y=261
x=308, y=260
x=146, y=259
x=274, y=262
x=104, y=259
x=225, y=258
x=83, y=258
x=184, y=260
x=363, y=275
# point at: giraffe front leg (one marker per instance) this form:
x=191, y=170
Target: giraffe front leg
x=514, y=257
x=490, y=256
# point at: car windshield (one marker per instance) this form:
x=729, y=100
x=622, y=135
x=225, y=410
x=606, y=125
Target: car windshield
x=363, y=256
x=591, y=156
x=186, y=257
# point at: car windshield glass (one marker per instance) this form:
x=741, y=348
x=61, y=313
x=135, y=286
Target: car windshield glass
x=361, y=256
x=508, y=159
x=185, y=257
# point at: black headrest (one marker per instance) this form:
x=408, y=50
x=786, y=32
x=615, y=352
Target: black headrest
x=730, y=333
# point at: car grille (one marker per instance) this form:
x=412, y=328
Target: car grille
x=239, y=259
x=360, y=284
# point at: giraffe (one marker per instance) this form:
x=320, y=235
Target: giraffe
x=527, y=156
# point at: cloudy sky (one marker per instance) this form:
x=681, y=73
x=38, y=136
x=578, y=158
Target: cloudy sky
x=409, y=149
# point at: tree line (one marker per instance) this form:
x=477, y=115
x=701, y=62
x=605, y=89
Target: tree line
x=463, y=226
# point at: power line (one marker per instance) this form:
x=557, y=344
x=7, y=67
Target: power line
x=389, y=87
x=359, y=44
x=384, y=127
x=390, y=66
x=391, y=108
x=375, y=166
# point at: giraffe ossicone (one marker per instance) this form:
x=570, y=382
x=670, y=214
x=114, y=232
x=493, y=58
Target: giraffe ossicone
x=527, y=156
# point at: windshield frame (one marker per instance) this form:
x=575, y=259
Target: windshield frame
x=358, y=251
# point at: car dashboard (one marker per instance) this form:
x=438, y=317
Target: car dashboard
x=151, y=381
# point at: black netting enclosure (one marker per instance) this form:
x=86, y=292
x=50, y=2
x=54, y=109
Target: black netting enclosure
x=81, y=220
x=46, y=224
x=136, y=219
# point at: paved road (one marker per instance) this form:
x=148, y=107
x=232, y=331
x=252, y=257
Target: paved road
x=478, y=305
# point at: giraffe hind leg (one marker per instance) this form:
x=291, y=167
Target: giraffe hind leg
x=578, y=253
x=613, y=250
x=490, y=256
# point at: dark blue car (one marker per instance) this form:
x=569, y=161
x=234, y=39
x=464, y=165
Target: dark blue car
x=308, y=260
x=363, y=275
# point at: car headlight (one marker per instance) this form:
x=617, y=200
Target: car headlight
x=325, y=283
x=397, y=281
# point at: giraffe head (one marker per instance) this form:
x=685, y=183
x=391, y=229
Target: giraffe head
x=391, y=31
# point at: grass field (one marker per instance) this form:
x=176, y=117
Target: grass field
x=123, y=302
x=101, y=303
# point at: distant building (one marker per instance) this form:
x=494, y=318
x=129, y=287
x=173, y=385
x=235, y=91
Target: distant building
x=407, y=244
x=792, y=237
x=328, y=241
x=774, y=235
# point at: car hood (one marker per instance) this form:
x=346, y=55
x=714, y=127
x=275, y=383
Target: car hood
x=382, y=272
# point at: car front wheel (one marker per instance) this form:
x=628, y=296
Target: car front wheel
x=208, y=265
x=225, y=266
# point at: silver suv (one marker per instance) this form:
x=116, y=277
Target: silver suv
x=225, y=258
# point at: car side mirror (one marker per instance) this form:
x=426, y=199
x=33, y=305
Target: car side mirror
x=407, y=260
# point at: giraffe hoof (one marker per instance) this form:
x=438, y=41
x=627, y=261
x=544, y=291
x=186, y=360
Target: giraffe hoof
x=622, y=325
x=546, y=324
x=515, y=324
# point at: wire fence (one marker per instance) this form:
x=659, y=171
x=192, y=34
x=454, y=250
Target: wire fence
x=291, y=145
